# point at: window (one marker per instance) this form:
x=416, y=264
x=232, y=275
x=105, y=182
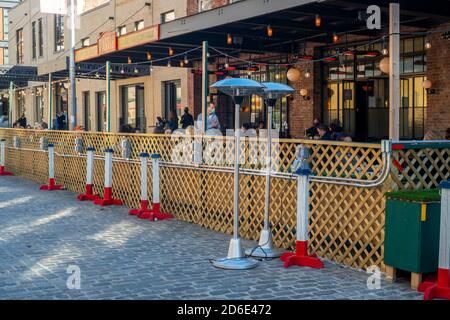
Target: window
x=139, y=25
x=101, y=111
x=168, y=16
x=413, y=108
x=59, y=33
x=87, y=110
x=33, y=40
x=40, y=38
x=121, y=30
x=85, y=42
x=19, y=46
x=132, y=107
x=39, y=104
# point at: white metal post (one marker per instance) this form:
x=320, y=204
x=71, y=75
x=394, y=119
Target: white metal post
x=394, y=71
x=143, y=212
x=3, y=172
x=51, y=170
x=89, y=195
x=2, y=154
x=155, y=179
x=108, y=199
x=301, y=257
x=73, y=105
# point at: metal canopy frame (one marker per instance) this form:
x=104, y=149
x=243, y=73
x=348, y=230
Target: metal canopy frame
x=291, y=20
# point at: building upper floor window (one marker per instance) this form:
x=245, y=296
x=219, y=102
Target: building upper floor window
x=121, y=30
x=59, y=33
x=4, y=21
x=85, y=42
x=167, y=16
x=139, y=25
x=33, y=40
x=19, y=46
x=40, y=38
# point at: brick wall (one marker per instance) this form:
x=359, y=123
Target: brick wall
x=192, y=5
x=438, y=59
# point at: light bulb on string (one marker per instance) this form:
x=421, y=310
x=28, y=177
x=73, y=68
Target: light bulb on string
x=151, y=67
x=229, y=39
x=170, y=51
x=181, y=63
x=129, y=60
x=169, y=64
x=335, y=38
x=269, y=31
x=186, y=60
x=427, y=44
x=318, y=21
x=149, y=56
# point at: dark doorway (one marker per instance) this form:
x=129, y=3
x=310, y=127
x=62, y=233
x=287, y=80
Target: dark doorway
x=364, y=90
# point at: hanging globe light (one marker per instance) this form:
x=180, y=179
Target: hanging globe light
x=293, y=74
x=384, y=65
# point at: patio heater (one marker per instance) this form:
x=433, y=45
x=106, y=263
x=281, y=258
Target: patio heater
x=237, y=88
x=272, y=92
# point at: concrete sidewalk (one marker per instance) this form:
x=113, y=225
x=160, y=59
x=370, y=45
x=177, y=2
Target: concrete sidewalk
x=43, y=234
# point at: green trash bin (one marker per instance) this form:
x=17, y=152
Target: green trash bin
x=412, y=230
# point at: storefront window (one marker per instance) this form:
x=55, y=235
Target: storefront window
x=101, y=111
x=359, y=74
x=413, y=108
x=133, y=107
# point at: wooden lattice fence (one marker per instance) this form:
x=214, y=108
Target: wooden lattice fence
x=346, y=222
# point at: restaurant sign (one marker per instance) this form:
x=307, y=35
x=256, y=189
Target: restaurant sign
x=138, y=38
x=107, y=43
x=86, y=53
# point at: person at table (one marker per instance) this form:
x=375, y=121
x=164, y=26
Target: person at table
x=324, y=133
x=187, y=119
x=172, y=124
x=312, y=132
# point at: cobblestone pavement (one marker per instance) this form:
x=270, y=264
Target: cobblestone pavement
x=121, y=257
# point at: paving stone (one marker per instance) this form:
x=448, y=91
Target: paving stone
x=121, y=257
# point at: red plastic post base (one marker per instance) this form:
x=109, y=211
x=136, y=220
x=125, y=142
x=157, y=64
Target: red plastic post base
x=5, y=173
x=439, y=289
x=301, y=258
x=142, y=211
x=108, y=200
x=154, y=214
x=88, y=196
x=51, y=186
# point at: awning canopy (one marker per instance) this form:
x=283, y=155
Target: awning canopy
x=19, y=75
x=292, y=22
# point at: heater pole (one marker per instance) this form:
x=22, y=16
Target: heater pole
x=394, y=74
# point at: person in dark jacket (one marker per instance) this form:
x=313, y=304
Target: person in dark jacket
x=324, y=133
x=312, y=132
x=22, y=120
x=187, y=119
x=172, y=124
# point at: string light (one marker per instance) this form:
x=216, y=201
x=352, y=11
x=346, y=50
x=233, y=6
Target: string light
x=181, y=63
x=149, y=56
x=229, y=39
x=307, y=74
x=335, y=38
x=186, y=60
x=427, y=44
x=169, y=63
x=129, y=60
x=318, y=21
x=170, y=51
x=269, y=31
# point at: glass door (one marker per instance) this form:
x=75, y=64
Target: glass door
x=101, y=111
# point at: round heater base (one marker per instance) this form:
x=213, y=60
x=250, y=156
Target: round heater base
x=235, y=264
x=260, y=252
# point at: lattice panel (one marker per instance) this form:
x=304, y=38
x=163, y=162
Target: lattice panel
x=420, y=169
